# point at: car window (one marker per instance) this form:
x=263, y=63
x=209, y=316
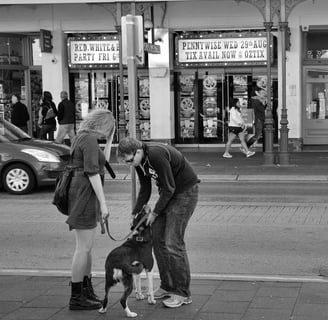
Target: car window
x=9, y=132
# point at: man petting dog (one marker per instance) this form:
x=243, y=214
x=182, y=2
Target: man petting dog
x=177, y=185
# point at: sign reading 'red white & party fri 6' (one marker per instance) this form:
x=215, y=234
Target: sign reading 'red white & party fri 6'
x=228, y=50
x=93, y=53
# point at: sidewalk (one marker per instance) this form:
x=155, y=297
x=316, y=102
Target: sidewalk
x=210, y=165
x=43, y=298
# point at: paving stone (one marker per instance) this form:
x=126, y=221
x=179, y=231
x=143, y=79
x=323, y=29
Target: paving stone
x=48, y=302
x=266, y=314
x=277, y=292
x=311, y=310
x=31, y=314
x=238, y=285
x=233, y=295
x=217, y=316
x=213, y=305
x=273, y=303
x=9, y=306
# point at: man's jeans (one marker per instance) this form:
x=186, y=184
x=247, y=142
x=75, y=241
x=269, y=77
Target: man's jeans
x=168, y=239
x=64, y=129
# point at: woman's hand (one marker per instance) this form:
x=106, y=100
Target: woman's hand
x=131, y=219
x=104, y=211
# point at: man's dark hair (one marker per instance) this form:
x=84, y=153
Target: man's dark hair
x=127, y=146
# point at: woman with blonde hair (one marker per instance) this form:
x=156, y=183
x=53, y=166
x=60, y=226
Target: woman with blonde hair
x=87, y=204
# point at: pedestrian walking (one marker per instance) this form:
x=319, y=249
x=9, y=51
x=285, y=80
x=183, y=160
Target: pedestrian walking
x=66, y=118
x=47, y=120
x=258, y=104
x=86, y=201
x=178, y=195
x=19, y=113
x=237, y=128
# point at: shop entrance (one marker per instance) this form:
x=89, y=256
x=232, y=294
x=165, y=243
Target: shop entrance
x=203, y=98
x=101, y=89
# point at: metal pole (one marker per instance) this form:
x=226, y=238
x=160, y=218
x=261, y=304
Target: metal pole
x=268, y=130
x=132, y=86
x=283, y=152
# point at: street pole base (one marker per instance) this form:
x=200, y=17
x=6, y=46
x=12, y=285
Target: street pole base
x=268, y=159
x=284, y=159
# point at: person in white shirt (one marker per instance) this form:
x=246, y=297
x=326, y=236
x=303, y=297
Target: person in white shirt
x=237, y=128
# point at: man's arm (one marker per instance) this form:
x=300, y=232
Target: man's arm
x=144, y=191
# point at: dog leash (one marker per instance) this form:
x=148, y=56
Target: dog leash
x=105, y=222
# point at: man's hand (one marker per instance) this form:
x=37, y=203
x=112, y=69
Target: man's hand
x=151, y=218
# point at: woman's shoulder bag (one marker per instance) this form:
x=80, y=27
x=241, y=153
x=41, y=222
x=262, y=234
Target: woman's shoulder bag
x=63, y=181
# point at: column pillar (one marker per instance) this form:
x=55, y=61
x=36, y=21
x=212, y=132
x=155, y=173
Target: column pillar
x=268, y=130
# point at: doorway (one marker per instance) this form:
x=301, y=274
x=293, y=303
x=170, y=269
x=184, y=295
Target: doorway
x=203, y=99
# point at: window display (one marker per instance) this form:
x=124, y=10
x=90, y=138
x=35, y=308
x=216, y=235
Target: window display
x=186, y=106
x=210, y=110
x=101, y=89
x=316, y=94
x=144, y=108
x=10, y=50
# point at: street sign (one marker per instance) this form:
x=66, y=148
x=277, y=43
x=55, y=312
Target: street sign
x=134, y=48
x=152, y=48
x=46, y=41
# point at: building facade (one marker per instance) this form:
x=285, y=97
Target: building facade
x=210, y=52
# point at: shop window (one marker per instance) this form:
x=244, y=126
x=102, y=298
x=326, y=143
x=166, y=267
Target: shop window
x=36, y=52
x=11, y=82
x=316, y=45
x=10, y=50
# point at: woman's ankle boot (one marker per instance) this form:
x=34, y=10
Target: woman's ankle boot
x=88, y=289
x=79, y=301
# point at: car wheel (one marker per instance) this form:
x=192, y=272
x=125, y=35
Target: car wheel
x=18, y=179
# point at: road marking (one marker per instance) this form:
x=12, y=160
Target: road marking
x=196, y=276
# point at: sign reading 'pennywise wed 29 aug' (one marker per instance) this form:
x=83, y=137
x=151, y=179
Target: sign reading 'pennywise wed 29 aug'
x=222, y=50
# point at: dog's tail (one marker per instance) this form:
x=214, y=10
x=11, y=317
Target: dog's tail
x=136, y=267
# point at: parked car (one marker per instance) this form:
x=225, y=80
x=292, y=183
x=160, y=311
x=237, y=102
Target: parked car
x=26, y=163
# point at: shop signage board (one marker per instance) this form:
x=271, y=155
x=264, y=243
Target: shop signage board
x=152, y=48
x=46, y=41
x=221, y=49
x=93, y=52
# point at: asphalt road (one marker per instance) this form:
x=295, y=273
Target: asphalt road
x=238, y=228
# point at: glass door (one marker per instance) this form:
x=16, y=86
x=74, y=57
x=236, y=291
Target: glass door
x=315, y=105
x=211, y=107
x=240, y=86
x=36, y=93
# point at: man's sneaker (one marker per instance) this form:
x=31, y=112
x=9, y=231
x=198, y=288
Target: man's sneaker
x=176, y=301
x=243, y=150
x=160, y=293
x=227, y=155
x=250, y=153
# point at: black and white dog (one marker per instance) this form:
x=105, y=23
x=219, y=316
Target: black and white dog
x=125, y=263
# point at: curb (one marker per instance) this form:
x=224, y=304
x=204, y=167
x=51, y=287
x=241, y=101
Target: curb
x=195, y=276
x=242, y=178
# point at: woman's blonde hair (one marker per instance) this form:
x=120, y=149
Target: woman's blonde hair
x=100, y=122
